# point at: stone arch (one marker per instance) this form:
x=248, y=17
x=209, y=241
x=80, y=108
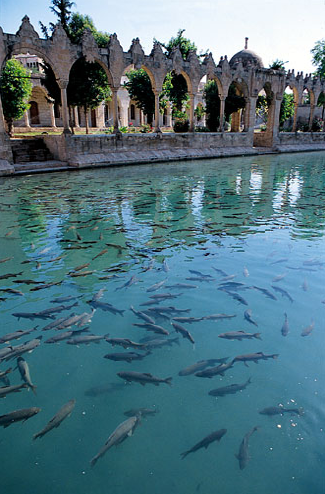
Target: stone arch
x=237, y=88
x=32, y=50
x=264, y=101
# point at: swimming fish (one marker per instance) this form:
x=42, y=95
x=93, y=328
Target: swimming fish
x=64, y=412
x=243, y=455
x=231, y=389
x=205, y=442
x=18, y=415
x=144, y=378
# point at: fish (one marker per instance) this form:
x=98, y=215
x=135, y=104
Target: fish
x=16, y=335
x=254, y=357
x=164, y=296
x=267, y=292
x=5, y=259
x=283, y=292
x=10, y=275
x=18, y=415
x=285, y=327
x=181, y=286
x=165, y=266
x=101, y=253
x=127, y=356
x=199, y=274
x=5, y=390
x=3, y=374
x=105, y=388
x=219, y=370
x=144, y=378
x=248, y=317
x=125, y=343
x=285, y=259
x=281, y=410
x=81, y=273
x=86, y=339
x=199, y=278
x=64, y=412
x=158, y=343
x=220, y=271
x=144, y=412
x=129, y=283
x=13, y=291
x=308, y=329
x=201, y=365
x=242, y=455
x=142, y=315
x=79, y=268
x=122, y=432
x=68, y=298
x=85, y=318
x=217, y=317
x=156, y=286
x=189, y=320
x=25, y=373
x=28, y=346
x=231, y=389
x=45, y=285
x=237, y=297
x=106, y=307
x=31, y=315
x=97, y=296
x=205, y=442
x=66, y=335
x=239, y=335
x=153, y=327
x=180, y=329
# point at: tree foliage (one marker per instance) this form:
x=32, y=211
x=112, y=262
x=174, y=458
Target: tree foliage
x=287, y=108
x=78, y=23
x=175, y=90
x=140, y=90
x=62, y=9
x=233, y=102
x=88, y=86
x=277, y=64
x=185, y=45
x=212, y=102
x=318, y=59
x=15, y=90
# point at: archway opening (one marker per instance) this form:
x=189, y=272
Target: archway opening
x=136, y=99
x=89, y=90
x=287, y=110
x=211, y=95
x=175, y=100
x=321, y=106
x=263, y=104
x=234, y=108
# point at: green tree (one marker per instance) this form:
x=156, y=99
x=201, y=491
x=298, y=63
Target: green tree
x=233, y=102
x=318, y=60
x=184, y=44
x=88, y=86
x=140, y=90
x=277, y=64
x=15, y=90
x=78, y=23
x=287, y=108
x=212, y=102
x=62, y=9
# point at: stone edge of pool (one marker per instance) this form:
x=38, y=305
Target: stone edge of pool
x=138, y=157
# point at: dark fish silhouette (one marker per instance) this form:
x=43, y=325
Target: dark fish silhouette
x=231, y=389
x=122, y=432
x=144, y=378
x=283, y=292
x=55, y=421
x=239, y=335
x=215, y=371
x=248, y=317
x=18, y=415
x=281, y=410
x=285, y=327
x=243, y=455
x=201, y=365
x=205, y=442
x=254, y=357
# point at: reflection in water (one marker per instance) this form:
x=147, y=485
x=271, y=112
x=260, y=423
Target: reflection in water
x=186, y=274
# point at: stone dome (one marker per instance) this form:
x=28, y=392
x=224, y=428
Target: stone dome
x=247, y=57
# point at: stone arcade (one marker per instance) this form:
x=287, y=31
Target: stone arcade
x=245, y=70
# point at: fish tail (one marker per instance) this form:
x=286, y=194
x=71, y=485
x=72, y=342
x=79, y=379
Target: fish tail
x=168, y=380
x=38, y=434
x=33, y=388
x=184, y=454
x=258, y=336
x=93, y=461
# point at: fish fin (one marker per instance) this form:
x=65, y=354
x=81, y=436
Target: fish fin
x=184, y=454
x=147, y=374
x=257, y=335
x=168, y=380
x=245, y=363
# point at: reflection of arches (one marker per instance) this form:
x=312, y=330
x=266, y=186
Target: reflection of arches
x=34, y=113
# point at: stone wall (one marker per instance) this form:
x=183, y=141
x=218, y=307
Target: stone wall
x=300, y=138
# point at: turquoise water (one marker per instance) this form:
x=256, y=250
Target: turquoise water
x=258, y=221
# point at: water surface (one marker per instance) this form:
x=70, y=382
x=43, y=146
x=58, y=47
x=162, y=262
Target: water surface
x=257, y=221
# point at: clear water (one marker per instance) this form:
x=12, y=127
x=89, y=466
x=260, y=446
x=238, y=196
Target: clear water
x=239, y=215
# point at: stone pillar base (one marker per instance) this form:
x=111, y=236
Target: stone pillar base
x=6, y=168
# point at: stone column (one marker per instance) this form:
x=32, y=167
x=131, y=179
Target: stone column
x=26, y=118
x=52, y=115
x=191, y=128
x=76, y=117
x=294, y=125
x=222, y=113
x=311, y=116
x=235, y=121
x=115, y=108
x=250, y=115
x=157, y=112
x=169, y=115
x=65, y=110
x=272, y=129
x=5, y=146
